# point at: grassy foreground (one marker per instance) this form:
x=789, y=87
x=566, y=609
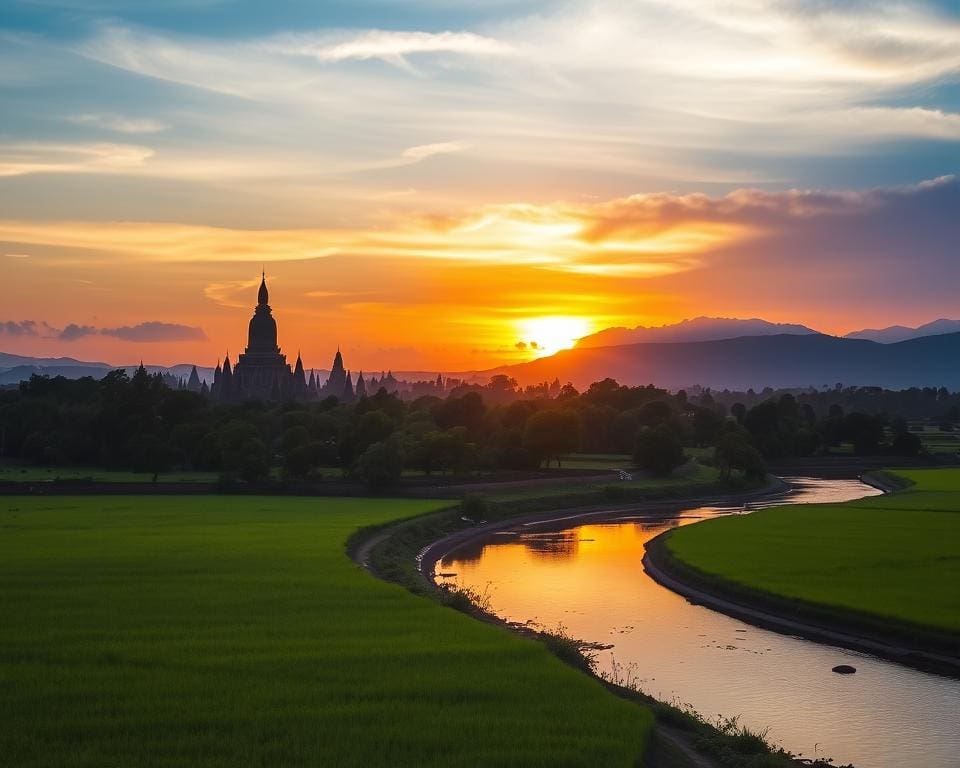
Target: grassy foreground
x=223, y=631
x=893, y=557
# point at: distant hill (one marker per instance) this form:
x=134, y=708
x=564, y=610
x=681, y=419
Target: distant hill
x=897, y=333
x=777, y=361
x=19, y=373
x=17, y=368
x=696, y=329
x=8, y=360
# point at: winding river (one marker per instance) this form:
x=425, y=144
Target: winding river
x=588, y=579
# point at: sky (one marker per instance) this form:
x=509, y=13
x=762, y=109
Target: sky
x=449, y=185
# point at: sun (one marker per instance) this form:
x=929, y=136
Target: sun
x=543, y=336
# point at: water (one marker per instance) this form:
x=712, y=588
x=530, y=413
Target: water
x=588, y=579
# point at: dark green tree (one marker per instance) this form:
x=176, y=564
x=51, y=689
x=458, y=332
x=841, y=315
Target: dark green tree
x=658, y=450
x=551, y=433
x=380, y=466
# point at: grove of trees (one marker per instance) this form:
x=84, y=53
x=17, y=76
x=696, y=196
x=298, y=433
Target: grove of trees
x=138, y=423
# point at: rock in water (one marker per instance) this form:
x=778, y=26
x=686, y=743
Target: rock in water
x=844, y=669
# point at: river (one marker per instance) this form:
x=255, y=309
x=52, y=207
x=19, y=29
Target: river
x=587, y=578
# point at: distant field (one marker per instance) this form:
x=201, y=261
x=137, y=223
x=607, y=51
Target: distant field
x=896, y=556
x=31, y=474
x=236, y=632
x=680, y=480
x=935, y=440
x=611, y=461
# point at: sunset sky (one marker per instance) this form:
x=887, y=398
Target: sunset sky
x=437, y=185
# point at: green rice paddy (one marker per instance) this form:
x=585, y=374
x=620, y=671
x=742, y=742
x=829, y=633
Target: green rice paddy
x=895, y=557
x=219, y=631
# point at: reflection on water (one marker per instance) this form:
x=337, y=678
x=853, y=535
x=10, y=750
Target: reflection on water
x=589, y=579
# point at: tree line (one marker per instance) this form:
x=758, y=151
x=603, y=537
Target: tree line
x=139, y=423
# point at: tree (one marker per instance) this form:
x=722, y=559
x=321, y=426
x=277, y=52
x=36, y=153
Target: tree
x=738, y=410
x=733, y=451
x=254, y=463
x=466, y=411
x=655, y=413
x=372, y=427
x=865, y=431
x=906, y=444
x=381, y=465
x=658, y=450
x=550, y=434
x=298, y=461
x=707, y=424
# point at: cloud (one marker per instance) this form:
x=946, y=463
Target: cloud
x=732, y=92
x=641, y=236
x=154, y=331
x=119, y=123
x=72, y=332
x=151, y=331
x=423, y=151
x=20, y=158
x=231, y=293
x=19, y=328
x=388, y=45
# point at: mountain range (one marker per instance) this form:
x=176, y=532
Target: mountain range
x=695, y=329
x=897, y=333
x=785, y=360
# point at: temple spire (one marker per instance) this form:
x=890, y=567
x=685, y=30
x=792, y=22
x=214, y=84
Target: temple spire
x=263, y=297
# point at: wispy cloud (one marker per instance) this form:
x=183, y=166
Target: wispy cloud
x=393, y=47
x=17, y=159
x=649, y=235
x=423, y=151
x=118, y=123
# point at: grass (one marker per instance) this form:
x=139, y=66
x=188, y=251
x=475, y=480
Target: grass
x=34, y=474
x=895, y=558
x=606, y=461
x=218, y=631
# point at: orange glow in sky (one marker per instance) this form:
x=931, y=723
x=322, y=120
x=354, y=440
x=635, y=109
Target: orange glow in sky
x=453, y=187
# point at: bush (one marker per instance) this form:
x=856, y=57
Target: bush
x=475, y=506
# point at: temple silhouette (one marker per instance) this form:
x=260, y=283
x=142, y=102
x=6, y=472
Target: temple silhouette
x=262, y=370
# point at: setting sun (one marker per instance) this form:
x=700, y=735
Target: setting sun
x=548, y=335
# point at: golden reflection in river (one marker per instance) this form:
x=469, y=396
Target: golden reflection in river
x=527, y=568
x=589, y=578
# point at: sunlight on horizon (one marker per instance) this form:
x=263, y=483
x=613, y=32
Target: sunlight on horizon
x=548, y=335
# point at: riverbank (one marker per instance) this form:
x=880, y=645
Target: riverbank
x=889, y=553
x=680, y=738
x=407, y=552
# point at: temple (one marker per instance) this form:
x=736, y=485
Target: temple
x=262, y=370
